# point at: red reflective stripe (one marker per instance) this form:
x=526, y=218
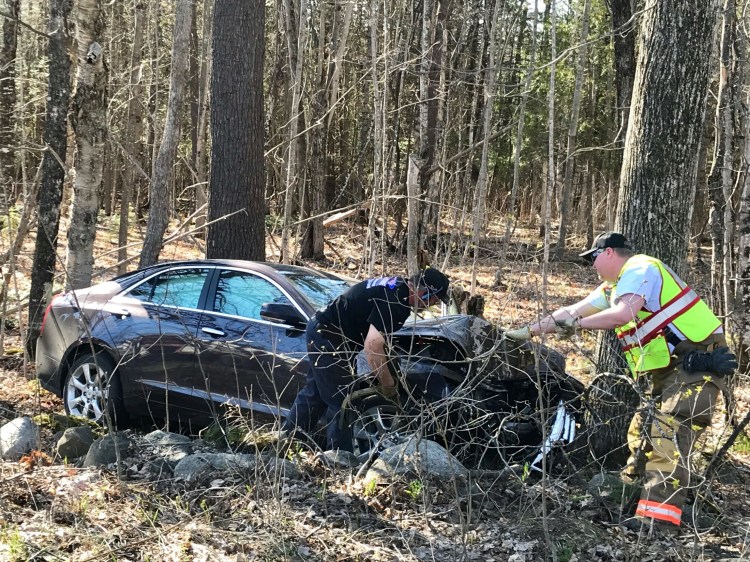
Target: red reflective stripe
x=660, y=511
x=657, y=330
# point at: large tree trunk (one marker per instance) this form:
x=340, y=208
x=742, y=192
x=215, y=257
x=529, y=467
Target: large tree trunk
x=237, y=171
x=160, y=202
x=8, y=103
x=53, y=170
x=659, y=170
x=89, y=121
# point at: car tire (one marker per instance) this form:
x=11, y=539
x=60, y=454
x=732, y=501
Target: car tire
x=93, y=387
x=372, y=421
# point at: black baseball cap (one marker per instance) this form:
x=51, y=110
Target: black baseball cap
x=434, y=281
x=607, y=240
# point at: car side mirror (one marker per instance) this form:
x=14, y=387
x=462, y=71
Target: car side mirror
x=283, y=313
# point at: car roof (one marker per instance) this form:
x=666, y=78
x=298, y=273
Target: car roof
x=259, y=266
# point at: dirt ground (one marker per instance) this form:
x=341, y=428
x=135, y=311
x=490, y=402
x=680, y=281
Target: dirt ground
x=50, y=510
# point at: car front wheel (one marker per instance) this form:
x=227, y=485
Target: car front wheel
x=92, y=387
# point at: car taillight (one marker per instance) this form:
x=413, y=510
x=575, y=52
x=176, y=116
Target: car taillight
x=46, y=312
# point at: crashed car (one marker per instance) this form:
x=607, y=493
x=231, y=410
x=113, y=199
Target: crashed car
x=488, y=399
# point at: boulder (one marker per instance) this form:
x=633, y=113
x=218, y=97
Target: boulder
x=417, y=458
x=103, y=451
x=75, y=442
x=17, y=438
x=198, y=466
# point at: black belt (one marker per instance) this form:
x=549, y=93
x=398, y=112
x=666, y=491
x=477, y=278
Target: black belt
x=671, y=337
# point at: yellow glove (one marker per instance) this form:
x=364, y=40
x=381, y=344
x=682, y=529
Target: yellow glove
x=389, y=392
x=521, y=334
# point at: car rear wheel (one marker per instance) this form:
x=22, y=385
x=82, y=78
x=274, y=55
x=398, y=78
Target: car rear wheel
x=92, y=387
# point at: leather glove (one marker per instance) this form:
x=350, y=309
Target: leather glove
x=566, y=328
x=720, y=361
x=521, y=334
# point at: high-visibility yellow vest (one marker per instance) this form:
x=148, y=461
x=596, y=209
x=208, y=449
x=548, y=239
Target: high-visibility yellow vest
x=643, y=341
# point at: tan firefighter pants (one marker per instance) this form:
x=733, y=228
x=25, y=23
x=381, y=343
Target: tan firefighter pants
x=682, y=407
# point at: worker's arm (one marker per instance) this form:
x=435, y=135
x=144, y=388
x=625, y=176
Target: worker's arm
x=376, y=357
x=623, y=311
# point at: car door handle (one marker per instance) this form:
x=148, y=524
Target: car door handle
x=121, y=313
x=214, y=332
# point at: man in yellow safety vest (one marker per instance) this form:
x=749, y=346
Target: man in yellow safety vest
x=668, y=334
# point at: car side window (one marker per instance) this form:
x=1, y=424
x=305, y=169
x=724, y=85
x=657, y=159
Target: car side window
x=177, y=287
x=243, y=294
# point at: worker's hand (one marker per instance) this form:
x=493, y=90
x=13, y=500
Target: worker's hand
x=389, y=392
x=566, y=328
x=720, y=361
x=521, y=334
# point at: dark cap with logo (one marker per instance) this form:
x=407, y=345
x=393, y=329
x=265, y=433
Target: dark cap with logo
x=434, y=281
x=607, y=240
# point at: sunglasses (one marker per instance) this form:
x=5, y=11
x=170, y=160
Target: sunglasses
x=596, y=254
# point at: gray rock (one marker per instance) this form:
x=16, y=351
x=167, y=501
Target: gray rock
x=339, y=459
x=103, y=451
x=197, y=466
x=171, y=447
x=280, y=469
x=17, y=437
x=166, y=438
x=418, y=458
x=75, y=442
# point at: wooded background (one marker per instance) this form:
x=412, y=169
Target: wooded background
x=242, y=120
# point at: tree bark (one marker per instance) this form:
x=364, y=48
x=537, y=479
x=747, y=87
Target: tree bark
x=8, y=103
x=53, y=170
x=89, y=121
x=160, y=202
x=237, y=169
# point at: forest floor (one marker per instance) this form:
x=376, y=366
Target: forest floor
x=50, y=510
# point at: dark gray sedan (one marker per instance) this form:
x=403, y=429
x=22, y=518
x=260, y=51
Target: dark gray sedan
x=179, y=340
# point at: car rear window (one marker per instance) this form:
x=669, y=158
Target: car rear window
x=177, y=287
x=319, y=290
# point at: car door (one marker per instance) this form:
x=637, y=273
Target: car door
x=154, y=323
x=246, y=360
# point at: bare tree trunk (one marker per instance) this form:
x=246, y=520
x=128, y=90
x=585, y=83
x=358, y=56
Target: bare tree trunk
x=490, y=91
x=720, y=179
x=201, y=175
x=518, y=145
x=292, y=172
x=572, y=133
x=160, y=202
x=133, y=134
x=551, y=173
x=8, y=103
x=53, y=169
x=237, y=204
x=89, y=121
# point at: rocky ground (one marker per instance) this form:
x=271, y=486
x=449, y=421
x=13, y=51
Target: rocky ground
x=294, y=504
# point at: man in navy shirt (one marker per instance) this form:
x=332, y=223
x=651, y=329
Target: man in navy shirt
x=359, y=319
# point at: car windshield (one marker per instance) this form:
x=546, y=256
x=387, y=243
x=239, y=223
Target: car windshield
x=317, y=289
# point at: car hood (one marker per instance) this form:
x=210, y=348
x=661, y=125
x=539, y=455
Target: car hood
x=477, y=338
